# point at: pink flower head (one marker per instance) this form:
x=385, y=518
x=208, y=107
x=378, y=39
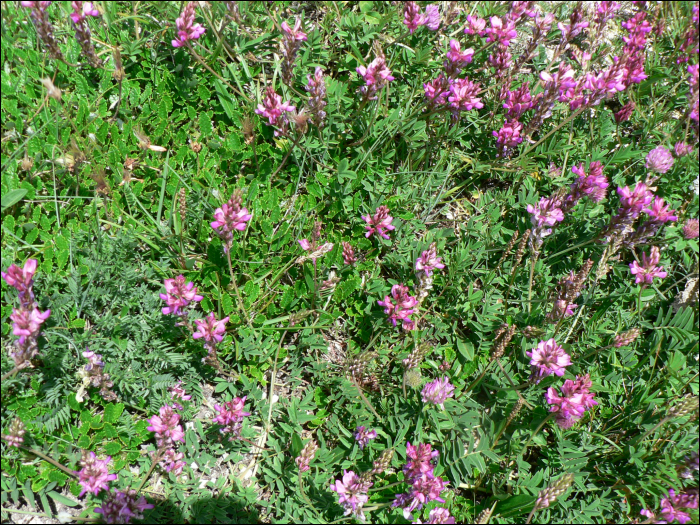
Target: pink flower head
x=27, y=323
x=22, y=279
x=377, y=223
x=229, y=218
x=296, y=33
x=272, y=106
x=420, y=461
x=348, y=254
x=518, y=101
x=431, y=17
x=437, y=392
x=351, y=493
x=411, y=16
x=376, y=73
x=36, y=5
x=440, y=515
x=498, y=32
x=625, y=112
x=635, y=200
x=177, y=392
x=166, y=426
x=231, y=412
x=424, y=489
x=305, y=244
x=548, y=358
x=122, y=507
x=659, y=212
x=94, y=476
x=210, y=329
x=435, y=91
x=401, y=307
x=363, y=435
x=592, y=183
x=172, y=461
x=463, y=95
x=15, y=434
x=659, y=160
x=178, y=295
x=475, y=26
x=457, y=56
x=576, y=398
x=671, y=507
x=648, y=270
x=509, y=135
x=429, y=261
x=691, y=229
x=545, y=213
x=682, y=149
x=81, y=10
x=186, y=28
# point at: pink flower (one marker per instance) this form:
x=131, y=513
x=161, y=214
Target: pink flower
x=457, y=56
x=635, y=200
x=27, y=323
x=305, y=244
x=401, y=307
x=682, y=149
x=439, y=515
x=178, y=295
x=576, y=398
x=186, y=28
x=210, y=329
x=172, y=461
x=508, y=136
x=625, y=112
x=22, y=280
x=303, y=461
x=691, y=229
x=659, y=160
x=592, y=184
x=348, y=254
x=500, y=33
x=411, y=16
x=437, y=392
x=548, y=358
x=518, y=101
x=177, y=392
x=272, y=106
x=431, y=18
x=81, y=10
x=424, y=489
x=317, y=96
x=659, y=211
x=15, y=434
x=463, y=95
x=420, y=462
x=362, y=436
x=229, y=218
x=352, y=493
x=167, y=427
x=94, y=476
x=122, y=507
x=475, y=26
x=436, y=91
x=296, y=33
x=546, y=212
x=429, y=261
x=671, y=507
x=626, y=338
x=230, y=416
x=377, y=223
x=648, y=270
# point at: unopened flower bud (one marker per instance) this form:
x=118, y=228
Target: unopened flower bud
x=383, y=462
x=626, y=338
x=15, y=435
x=684, y=407
x=306, y=455
x=549, y=495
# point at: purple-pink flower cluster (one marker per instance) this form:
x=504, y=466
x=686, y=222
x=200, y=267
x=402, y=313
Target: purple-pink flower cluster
x=316, y=88
x=399, y=306
x=429, y=261
x=659, y=160
x=15, y=434
x=592, y=184
x=352, y=493
x=229, y=218
x=168, y=432
x=186, y=28
x=376, y=75
x=27, y=319
x=425, y=486
x=363, y=435
x=649, y=269
x=81, y=10
x=413, y=18
x=272, y=108
x=94, y=476
x=44, y=29
x=548, y=358
x=292, y=37
x=94, y=372
x=437, y=392
x=178, y=294
x=230, y=416
x=122, y=507
x=673, y=508
x=379, y=223
x=573, y=402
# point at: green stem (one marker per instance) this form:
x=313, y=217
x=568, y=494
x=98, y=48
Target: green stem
x=549, y=417
x=49, y=460
x=533, y=261
x=272, y=382
x=156, y=459
x=11, y=372
x=241, y=308
x=366, y=401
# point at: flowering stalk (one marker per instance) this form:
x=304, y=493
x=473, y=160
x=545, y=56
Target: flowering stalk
x=316, y=89
x=81, y=10
x=575, y=400
x=376, y=76
x=168, y=432
x=186, y=28
x=44, y=29
x=93, y=374
x=291, y=42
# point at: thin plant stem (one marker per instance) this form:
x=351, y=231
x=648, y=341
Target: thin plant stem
x=272, y=382
x=366, y=401
x=286, y=156
x=201, y=61
x=548, y=418
x=156, y=459
x=241, y=308
x=11, y=372
x=532, y=276
x=49, y=460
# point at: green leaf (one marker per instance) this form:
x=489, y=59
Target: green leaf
x=60, y=498
x=205, y=124
x=344, y=172
x=73, y=402
x=12, y=198
x=113, y=448
x=112, y=412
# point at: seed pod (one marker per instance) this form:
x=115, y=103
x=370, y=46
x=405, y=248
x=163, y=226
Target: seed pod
x=684, y=407
x=508, y=249
x=382, y=463
x=503, y=337
x=549, y=495
x=521, y=250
